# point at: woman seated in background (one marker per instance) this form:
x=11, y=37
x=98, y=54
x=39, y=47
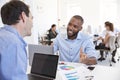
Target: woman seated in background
x=52, y=33
x=105, y=39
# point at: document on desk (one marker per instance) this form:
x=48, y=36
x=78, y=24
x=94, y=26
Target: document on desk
x=69, y=71
x=72, y=73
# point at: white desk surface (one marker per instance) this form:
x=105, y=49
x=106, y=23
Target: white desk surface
x=99, y=73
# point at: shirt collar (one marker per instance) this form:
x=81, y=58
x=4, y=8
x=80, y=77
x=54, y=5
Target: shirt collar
x=78, y=36
x=14, y=31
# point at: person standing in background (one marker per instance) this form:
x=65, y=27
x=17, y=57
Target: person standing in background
x=17, y=20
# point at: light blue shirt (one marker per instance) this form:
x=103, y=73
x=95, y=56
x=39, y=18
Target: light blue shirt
x=69, y=50
x=13, y=56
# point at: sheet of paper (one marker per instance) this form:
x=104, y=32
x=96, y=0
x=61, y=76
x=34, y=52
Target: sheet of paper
x=72, y=73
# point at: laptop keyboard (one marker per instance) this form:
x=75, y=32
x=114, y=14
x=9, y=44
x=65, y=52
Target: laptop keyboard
x=33, y=77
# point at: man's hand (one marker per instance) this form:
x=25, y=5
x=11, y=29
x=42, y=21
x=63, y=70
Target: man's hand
x=83, y=56
x=86, y=60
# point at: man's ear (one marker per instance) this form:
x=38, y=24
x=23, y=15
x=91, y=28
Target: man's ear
x=23, y=16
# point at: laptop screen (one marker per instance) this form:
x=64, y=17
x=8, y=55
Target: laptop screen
x=45, y=65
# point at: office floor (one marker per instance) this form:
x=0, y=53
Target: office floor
x=106, y=61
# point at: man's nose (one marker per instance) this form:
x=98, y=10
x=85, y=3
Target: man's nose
x=71, y=27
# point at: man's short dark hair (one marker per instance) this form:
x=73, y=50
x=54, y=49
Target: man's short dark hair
x=79, y=18
x=11, y=11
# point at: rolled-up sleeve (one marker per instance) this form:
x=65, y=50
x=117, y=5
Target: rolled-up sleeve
x=89, y=48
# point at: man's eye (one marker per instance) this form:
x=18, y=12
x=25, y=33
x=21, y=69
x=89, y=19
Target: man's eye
x=69, y=23
x=75, y=26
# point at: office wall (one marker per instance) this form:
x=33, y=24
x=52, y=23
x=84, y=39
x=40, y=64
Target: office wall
x=118, y=12
x=109, y=12
x=45, y=14
x=88, y=9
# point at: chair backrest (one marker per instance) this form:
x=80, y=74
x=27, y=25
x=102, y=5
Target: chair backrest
x=111, y=43
x=118, y=40
x=34, y=48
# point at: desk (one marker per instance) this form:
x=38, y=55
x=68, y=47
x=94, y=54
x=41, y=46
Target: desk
x=99, y=73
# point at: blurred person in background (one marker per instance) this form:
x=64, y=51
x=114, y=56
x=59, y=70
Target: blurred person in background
x=105, y=39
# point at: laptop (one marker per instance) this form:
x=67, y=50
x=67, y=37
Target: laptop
x=34, y=48
x=44, y=67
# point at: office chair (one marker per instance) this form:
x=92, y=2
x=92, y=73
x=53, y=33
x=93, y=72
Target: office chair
x=118, y=44
x=110, y=49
